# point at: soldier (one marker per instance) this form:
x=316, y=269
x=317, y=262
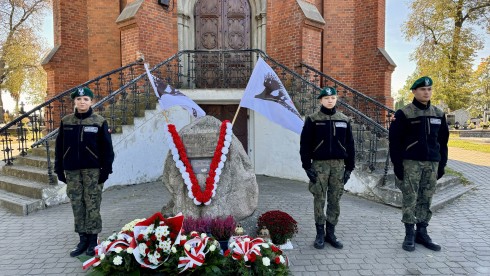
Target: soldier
x=418, y=150
x=327, y=139
x=83, y=160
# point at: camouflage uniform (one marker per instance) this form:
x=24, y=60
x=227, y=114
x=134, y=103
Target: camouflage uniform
x=418, y=150
x=84, y=155
x=329, y=183
x=85, y=194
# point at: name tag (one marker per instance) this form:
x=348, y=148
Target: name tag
x=90, y=129
x=341, y=124
x=435, y=121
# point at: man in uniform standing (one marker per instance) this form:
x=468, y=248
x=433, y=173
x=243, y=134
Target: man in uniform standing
x=418, y=149
x=327, y=139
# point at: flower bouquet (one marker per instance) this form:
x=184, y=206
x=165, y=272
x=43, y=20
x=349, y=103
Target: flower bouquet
x=249, y=256
x=196, y=254
x=281, y=225
x=141, y=243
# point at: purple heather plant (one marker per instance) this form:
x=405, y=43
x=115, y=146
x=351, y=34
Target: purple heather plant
x=222, y=228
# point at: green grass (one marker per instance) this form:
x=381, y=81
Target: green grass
x=463, y=179
x=469, y=145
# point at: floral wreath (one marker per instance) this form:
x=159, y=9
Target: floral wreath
x=179, y=154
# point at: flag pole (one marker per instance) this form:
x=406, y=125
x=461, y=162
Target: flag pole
x=236, y=114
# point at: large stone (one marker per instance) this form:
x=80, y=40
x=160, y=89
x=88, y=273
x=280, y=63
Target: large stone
x=237, y=190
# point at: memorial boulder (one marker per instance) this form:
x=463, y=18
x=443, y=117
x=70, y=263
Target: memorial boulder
x=236, y=191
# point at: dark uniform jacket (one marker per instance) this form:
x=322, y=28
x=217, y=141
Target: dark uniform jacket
x=419, y=132
x=83, y=142
x=326, y=135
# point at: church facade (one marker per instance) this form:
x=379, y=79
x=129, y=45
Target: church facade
x=342, y=38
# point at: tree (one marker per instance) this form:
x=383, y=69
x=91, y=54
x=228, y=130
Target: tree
x=21, y=49
x=480, y=99
x=447, y=45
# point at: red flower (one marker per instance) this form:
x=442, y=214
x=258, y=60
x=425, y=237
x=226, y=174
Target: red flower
x=278, y=260
x=275, y=249
x=227, y=252
x=153, y=237
x=148, y=243
x=141, y=238
x=147, y=251
x=147, y=261
x=252, y=258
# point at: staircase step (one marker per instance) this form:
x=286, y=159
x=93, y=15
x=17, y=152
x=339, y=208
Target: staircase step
x=41, y=152
x=27, y=172
x=34, y=161
x=22, y=186
x=448, y=189
x=18, y=204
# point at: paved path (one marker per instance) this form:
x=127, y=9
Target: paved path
x=38, y=244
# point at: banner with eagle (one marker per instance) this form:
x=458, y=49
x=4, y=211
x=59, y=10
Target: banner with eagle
x=168, y=96
x=266, y=95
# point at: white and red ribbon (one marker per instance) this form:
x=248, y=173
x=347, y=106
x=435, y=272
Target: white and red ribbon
x=181, y=160
x=244, y=246
x=196, y=255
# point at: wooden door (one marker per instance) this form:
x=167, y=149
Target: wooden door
x=220, y=25
x=226, y=112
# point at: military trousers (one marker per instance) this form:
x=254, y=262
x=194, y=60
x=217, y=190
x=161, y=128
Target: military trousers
x=85, y=194
x=330, y=187
x=418, y=187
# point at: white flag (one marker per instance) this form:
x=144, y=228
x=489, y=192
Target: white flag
x=168, y=96
x=266, y=94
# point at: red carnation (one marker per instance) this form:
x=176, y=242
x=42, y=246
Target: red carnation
x=148, y=243
x=153, y=237
x=141, y=238
x=227, y=252
x=147, y=251
x=278, y=260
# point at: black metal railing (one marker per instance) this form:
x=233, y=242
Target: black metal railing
x=223, y=70
x=17, y=136
x=375, y=110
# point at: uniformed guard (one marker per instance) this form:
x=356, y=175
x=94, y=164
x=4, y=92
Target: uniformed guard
x=418, y=149
x=328, y=157
x=83, y=160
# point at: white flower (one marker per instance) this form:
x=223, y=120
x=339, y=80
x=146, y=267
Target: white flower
x=203, y=235
x=266, y=261
x=187, y=246
x=212, y=248
x=117, y=260
x=174, y=250
x=265, y=245
x=118, y=250
x=142, y=248
x=102, y=256
x=157, y=255
x=281, y=258
x=129, y=250
x=165, y=245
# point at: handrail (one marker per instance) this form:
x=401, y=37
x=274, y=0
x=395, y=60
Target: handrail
x=230, y=68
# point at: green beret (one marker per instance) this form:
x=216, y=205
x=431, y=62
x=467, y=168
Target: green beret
x=82, y=91
x=422, y=82
x=327, y=91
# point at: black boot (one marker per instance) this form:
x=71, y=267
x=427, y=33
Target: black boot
x=320, y=235
x=81, y=246
x=423, y=238
x=409, y=242
x=92, y=243
x=330, y=236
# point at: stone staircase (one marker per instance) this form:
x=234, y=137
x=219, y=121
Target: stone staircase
x=26, y=187
x=448, y=188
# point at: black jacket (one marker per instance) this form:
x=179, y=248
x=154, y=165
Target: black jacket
x=83, y=142
x=327, y=134
x=419, y=132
